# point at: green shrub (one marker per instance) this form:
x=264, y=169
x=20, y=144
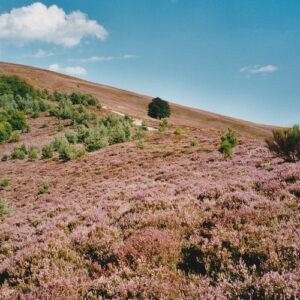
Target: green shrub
x=71, y=137
x=163, y=125
x=5, y=131
x=18, y=121
x=82, y=133
x=4, y=209
x=194, y=143
x=140, y=144
x=5, y=157
x=15, y=137
x=69, y=152
x=179, y=131
x=286, y=143
x=33, y=152
x=59, y=142
x=65, y=109
x=44, y=188
x=96, y=138
x=228, y=142
x=4, y=182
x=47, y=152
x=19, y=152
x=159, y=109
x=16, y=86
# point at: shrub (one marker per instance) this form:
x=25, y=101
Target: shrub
x=286, y=143
x=69, y=152
x=179, y=131
x=159, y=109
x=44, y=188
x=228, y=142
x=5, y=157
x=226, y=148
x=140, y=144
x=33, y=152
x=71, y=136
x=19, y=152
x=59, y=142
x=5, y=182
x=194, y=143
x=16, y=86
x=4, y=209
x=47, y=152
x=96, y=139
x=163, y=125
x=5, y=131
x=15, y=137
x=18, y=121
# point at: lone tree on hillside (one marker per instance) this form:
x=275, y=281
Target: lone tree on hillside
x=159, y=109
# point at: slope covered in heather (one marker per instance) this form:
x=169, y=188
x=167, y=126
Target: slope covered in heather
x=150, y=215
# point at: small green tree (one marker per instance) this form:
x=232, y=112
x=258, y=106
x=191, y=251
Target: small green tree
x=228, y=142
x=159, y=109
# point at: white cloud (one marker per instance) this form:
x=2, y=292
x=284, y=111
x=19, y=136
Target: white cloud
x=258, y=69
x=73, y=70
x=103, y=58
x=40, y=53
x=37, y=22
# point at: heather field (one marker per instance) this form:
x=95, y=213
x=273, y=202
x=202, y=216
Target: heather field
x=170, y=220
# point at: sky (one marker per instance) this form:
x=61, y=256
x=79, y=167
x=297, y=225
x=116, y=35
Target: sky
x=233, y=57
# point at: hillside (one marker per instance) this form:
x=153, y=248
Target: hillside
x=141, y=214
x=129, y=102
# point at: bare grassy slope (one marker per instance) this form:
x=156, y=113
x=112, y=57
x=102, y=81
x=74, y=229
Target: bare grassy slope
x=129, y=102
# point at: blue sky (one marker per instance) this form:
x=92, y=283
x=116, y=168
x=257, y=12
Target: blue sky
x=238, y=58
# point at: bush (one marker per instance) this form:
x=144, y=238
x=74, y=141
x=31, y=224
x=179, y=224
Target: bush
x=33, y=152
x=71, y=137
x=163, y=125
x=15, y=137
x=18, y=121
x=4, y=182
x=96, y=138
x=5, y=131
x=47, y=152
x=59, y=142
x=194, y=143
x=159, y=109
x=286, y=143
x=44, y=188
x=69, y=152
x=19, y=152
x=16, y=86
x=4, y=209
x=228, y=142
x=140, y=144
x=179, y=131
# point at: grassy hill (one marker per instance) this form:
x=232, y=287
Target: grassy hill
x=168, y=218
x=129, y=102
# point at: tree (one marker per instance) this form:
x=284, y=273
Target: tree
x=228, y=142
x=159, y=109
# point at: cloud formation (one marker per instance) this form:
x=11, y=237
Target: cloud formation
x=258, y=69
x=103, y=58
x=73, y=70
x=37, y=22
x=40, y=53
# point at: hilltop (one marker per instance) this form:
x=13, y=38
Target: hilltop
x=131, y=103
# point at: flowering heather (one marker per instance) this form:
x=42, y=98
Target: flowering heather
x=171, y=221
